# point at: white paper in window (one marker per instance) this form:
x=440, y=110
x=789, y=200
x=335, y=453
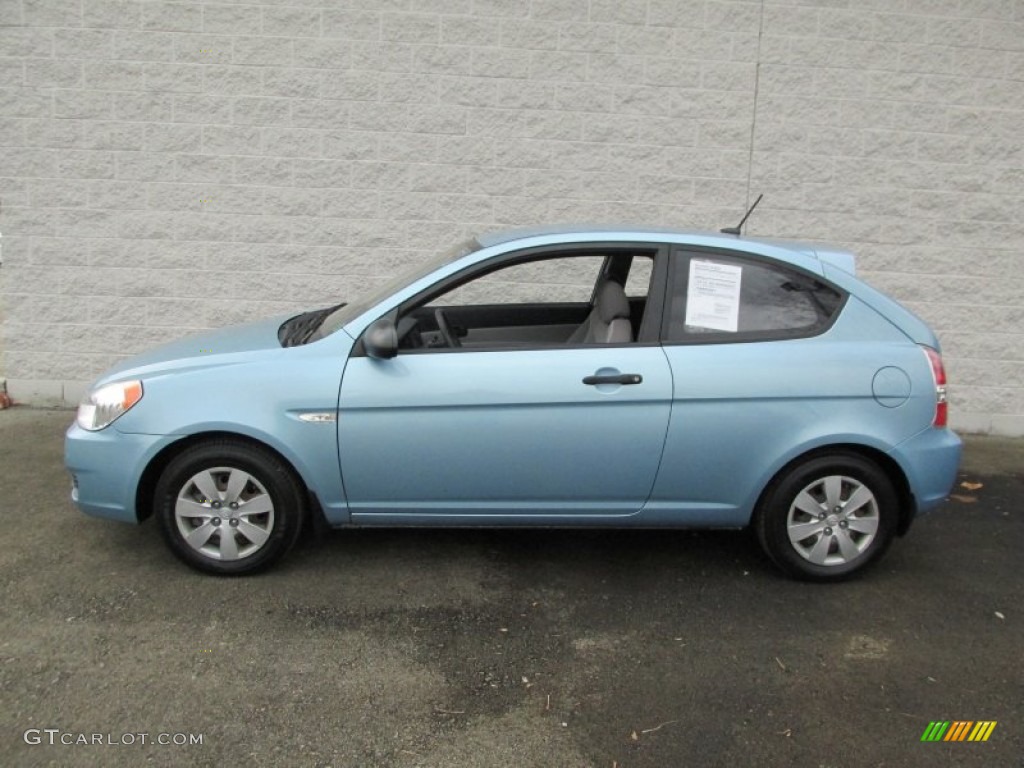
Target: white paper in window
x=713, y=297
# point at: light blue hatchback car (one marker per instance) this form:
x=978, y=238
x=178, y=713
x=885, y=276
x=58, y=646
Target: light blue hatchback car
x=542, y=378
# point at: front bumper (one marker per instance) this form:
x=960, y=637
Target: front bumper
x=106, y=466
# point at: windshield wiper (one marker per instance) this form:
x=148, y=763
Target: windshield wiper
x=298, y=329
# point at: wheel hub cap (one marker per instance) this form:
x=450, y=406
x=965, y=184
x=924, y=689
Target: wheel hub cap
x=833, y=520
x=198, y=519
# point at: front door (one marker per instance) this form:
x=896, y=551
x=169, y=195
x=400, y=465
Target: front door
x=505, y=435
x=517, y=393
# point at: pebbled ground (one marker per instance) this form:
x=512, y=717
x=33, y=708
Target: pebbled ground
x=505, y=648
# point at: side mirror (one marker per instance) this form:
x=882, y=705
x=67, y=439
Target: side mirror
x=381, y=339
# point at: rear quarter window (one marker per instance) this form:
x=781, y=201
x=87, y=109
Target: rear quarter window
x=722, y=298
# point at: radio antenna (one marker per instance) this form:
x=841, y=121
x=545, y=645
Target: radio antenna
x=739, y=227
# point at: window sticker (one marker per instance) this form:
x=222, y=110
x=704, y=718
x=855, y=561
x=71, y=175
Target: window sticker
x=713, y=296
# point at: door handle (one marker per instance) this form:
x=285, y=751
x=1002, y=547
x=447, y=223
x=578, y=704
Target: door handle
x=621, y=378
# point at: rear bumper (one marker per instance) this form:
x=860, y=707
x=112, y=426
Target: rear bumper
x=105, y=468
x=930, y=460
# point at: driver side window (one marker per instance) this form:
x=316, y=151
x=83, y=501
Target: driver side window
x=559, y=280
x=552, y=300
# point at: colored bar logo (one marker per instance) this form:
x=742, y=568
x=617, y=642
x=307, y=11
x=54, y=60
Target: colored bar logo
x=958, y=730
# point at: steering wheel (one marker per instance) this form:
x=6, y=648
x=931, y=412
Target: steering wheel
x=442, y=325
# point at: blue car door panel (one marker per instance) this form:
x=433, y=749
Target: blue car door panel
x=503, y=436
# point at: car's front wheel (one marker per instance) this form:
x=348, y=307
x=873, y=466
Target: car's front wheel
x=828, y=517
x=228, y=507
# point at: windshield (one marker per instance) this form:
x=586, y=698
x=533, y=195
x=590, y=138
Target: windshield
x=348, y=312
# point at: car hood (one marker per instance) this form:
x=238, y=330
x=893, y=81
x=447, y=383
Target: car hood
x=227, y=346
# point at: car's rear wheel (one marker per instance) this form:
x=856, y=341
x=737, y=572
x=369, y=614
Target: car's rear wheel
x=228, y=507
x=828, y=518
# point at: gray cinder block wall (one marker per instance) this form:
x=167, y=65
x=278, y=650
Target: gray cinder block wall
x=167, y=167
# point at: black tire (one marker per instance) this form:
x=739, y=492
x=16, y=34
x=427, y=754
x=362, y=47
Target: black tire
x=238, y=473
x=819, y=556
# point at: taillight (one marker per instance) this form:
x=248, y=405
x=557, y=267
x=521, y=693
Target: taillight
x=939, y=377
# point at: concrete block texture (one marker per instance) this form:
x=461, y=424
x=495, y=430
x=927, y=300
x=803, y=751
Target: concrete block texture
x=298, y=152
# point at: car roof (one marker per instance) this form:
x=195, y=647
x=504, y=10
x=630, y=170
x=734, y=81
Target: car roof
x=838, y=257
x=584, y=231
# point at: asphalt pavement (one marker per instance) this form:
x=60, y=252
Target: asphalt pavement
x=503, y=648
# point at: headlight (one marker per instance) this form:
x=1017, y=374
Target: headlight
x=100, y=407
